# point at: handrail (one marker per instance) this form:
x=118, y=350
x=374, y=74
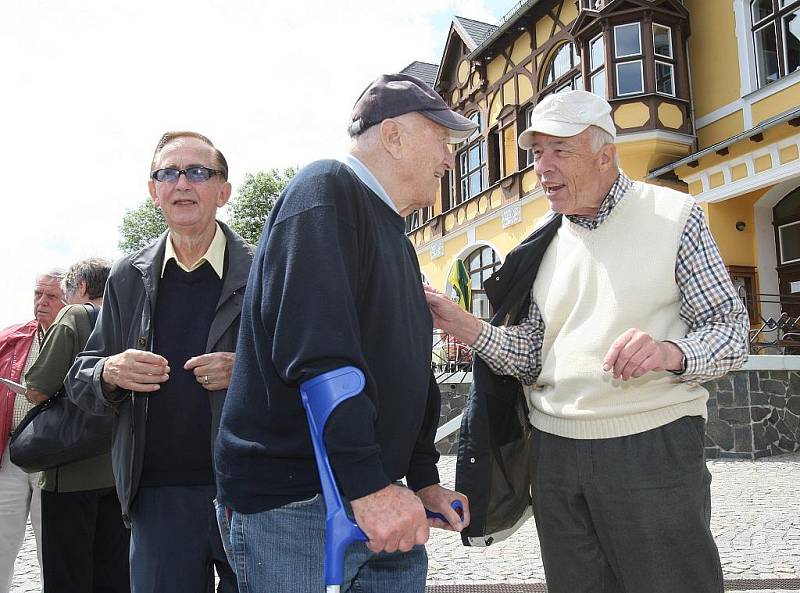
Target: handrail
x=448, y=428
x=779, y=335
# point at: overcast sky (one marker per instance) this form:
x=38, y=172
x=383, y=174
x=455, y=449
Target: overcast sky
x=88, y=87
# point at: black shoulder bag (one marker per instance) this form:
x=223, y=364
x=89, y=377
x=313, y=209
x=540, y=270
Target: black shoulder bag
x=57, y=432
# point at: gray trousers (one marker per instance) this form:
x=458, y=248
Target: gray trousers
x=628, y=514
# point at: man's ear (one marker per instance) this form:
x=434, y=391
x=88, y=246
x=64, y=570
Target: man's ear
x=391, y=133
x=151, y=187
x=224, y=194
x=608, y=157
x=83, y=290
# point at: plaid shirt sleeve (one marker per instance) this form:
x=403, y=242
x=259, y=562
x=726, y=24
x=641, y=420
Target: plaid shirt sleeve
x=514, y=350
x=717, y=341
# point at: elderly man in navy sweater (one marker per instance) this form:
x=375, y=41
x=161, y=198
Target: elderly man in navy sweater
x=336, y=282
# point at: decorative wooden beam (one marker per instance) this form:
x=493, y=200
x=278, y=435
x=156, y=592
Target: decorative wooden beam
x=723, y=151
x=693, y=164
x=756, y=137
x=794, y=122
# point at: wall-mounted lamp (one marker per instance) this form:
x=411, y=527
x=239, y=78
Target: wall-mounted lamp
x=740, y=225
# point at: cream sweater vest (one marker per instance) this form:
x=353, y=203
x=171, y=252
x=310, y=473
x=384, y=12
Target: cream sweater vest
x=592, y=286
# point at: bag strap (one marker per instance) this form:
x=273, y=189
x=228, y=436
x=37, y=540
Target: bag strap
x=93, y=311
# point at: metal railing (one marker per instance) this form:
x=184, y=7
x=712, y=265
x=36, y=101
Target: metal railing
x=777, y=331
x=451, y=358
x=451, y=363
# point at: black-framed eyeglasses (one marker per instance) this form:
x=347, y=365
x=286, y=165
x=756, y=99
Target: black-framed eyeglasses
x=196, y=174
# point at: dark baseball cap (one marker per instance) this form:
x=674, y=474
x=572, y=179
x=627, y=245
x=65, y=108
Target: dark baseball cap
x=391, y=95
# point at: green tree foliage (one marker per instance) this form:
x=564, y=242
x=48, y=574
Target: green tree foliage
x=140, y=226
x=255, y=197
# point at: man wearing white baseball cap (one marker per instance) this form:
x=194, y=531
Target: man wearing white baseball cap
x=631, y=307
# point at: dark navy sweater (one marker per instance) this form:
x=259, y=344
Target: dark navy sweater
x=335, y=282
x=177, y=448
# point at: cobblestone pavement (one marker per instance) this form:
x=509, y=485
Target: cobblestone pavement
x=26, y=569
x=755, y=520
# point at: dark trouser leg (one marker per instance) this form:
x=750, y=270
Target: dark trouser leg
x=573, y=557
x=647, y=500
x=68, y=520
x=651, y=501
x=172, y=541
x=111, y=543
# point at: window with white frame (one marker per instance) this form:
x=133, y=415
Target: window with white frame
x=528, y=117
x=481, y=264
x=628, y=59
x=563, y=71
x=664, y=59
x=776, y=38
x=418, y=218
x=597, y=63
x=472, y=169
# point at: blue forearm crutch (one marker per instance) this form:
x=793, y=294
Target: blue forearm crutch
x=320, y=397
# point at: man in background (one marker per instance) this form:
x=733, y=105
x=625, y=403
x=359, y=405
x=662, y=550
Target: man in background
x=84, y=541
x=19, y=492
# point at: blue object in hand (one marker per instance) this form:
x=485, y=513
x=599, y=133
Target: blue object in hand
x=320, y=397
x=457, y=507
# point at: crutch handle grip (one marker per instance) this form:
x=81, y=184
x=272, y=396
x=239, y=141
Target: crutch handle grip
x=456, y=506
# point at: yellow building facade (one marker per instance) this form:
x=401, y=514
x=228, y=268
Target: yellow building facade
x=705, y=95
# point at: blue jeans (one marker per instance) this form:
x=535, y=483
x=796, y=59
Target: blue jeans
x=282, y=551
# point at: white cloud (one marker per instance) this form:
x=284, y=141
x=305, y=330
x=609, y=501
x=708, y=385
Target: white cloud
x=89, y=86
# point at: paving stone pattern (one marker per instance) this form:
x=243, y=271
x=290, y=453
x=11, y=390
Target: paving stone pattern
x=755, y=520
x=753, y=414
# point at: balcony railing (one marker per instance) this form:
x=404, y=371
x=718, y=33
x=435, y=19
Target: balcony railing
x=777, y=330
x=451, y=359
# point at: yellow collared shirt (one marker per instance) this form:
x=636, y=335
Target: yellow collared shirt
x=214, y=255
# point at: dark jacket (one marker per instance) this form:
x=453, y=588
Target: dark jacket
x=493, y=466
x=335, y=283
x=125, y=321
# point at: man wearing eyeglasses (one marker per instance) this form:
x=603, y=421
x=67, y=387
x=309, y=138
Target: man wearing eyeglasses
x=19, y=492
x=160, y=359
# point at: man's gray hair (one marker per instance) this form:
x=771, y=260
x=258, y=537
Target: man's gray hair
x=53, y=273
x=92, y=271
x=598, y=138
x=368, y=139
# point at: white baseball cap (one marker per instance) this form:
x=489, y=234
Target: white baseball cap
x=568, y=114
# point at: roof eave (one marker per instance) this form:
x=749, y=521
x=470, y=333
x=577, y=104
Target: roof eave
x=508, y=21
x=464, y=34
x=759, y=129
